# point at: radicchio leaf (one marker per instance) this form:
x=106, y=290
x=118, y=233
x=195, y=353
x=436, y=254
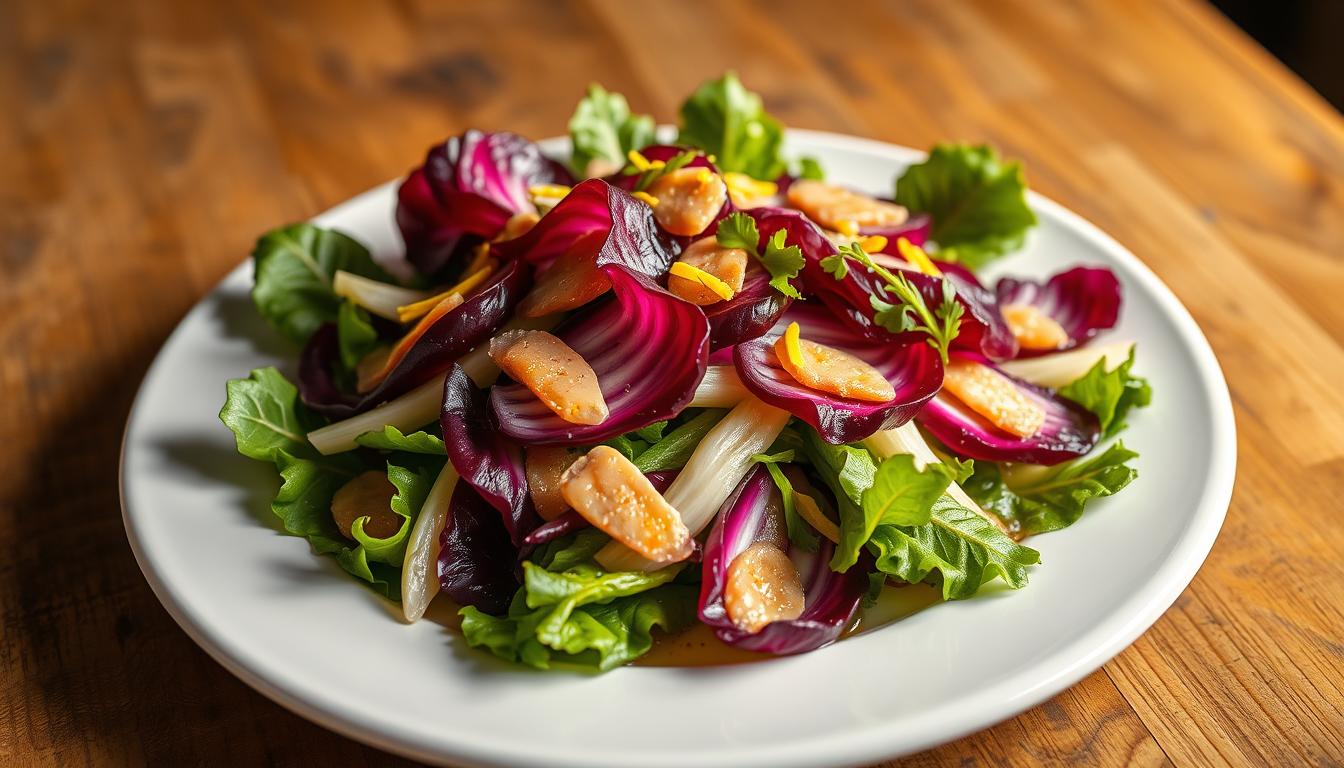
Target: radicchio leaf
x=649, y=350
x=476, y=559
x=633, y=239
x=467, y=189
x=751, y=313
x=831, y=597
x=1083, y=300
x=983, y=328
x=484, y=457
x=450, y=337
x=913, y=368
x=1069, y=431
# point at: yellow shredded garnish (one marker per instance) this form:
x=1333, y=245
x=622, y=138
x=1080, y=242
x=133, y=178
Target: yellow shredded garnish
x=548, y=192
x=916, y=256
x=721, y=289
x=479, y=258
x=411, y=311
x=847, y=228
x=639, y=161
x=809, y=511
x=792, y=335
x=873, y=243
x=646, y=197
x=744, y=189
x=704, y=177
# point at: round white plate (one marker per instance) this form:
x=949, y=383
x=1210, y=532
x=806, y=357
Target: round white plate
x=296, y=628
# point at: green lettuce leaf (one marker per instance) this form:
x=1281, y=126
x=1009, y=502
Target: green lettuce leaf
x=1110, y=394
x=355, y=335
x=575, y=549
x=964, y=548
x=392, y=439
x=269, y=424
x=729, y=122
x=412, y=482
x=810, y=168
x=294, y=269
x=849, y=471
x=602, y=128
x=899, y=495
x=582, y=617
x=675, y=449
x=978, y=203
x=1048, y=502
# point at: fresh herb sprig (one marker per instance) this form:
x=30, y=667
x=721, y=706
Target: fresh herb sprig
x=651, y=170
x=782, y=262
x=911, y=312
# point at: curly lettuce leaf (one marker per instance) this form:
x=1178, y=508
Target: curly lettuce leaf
x=901, y=494
x=965, y=549
x=393, y=439
x=602, y=128
x=582, y=617
x=978, y=203
x=1055, y=500
x=729, y=122
x=294, y=270
x=412, y=481
x=1110, y=394
x=575, y=549
x=270, y=424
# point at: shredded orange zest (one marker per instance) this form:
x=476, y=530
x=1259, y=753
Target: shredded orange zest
x=848, y=228
x=646, y=197
x=809, y=511
x=548, y=192
x=720, y=288
x=873, y=243
x=479, y=258
x=638, y=160
x=917, y=256
x=745, y=190
x=411, y=311
x=446, y=304
x=792, y=348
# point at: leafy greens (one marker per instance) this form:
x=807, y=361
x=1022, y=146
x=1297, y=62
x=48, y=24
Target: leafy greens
x=978, y=203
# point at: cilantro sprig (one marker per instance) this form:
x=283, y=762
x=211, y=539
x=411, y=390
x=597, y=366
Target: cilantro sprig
x=910, y=312
x=658, y=168
x=738, y=230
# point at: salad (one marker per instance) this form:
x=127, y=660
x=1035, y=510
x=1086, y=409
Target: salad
x=658, y=385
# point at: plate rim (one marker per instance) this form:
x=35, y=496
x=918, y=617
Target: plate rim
x=861, y=743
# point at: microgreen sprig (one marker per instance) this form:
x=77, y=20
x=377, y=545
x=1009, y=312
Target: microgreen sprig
x=783, y=262
x=651, y=170
x=910, y=312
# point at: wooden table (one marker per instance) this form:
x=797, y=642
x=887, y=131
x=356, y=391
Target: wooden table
x=145, y=145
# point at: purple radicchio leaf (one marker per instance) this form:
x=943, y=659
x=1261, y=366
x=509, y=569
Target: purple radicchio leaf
x=753, y=514
x=913, y=368
x=467, y=189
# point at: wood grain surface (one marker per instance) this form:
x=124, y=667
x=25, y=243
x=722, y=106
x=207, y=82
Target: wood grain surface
x=144, y=145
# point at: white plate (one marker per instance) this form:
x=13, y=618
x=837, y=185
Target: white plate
x=296, y=628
